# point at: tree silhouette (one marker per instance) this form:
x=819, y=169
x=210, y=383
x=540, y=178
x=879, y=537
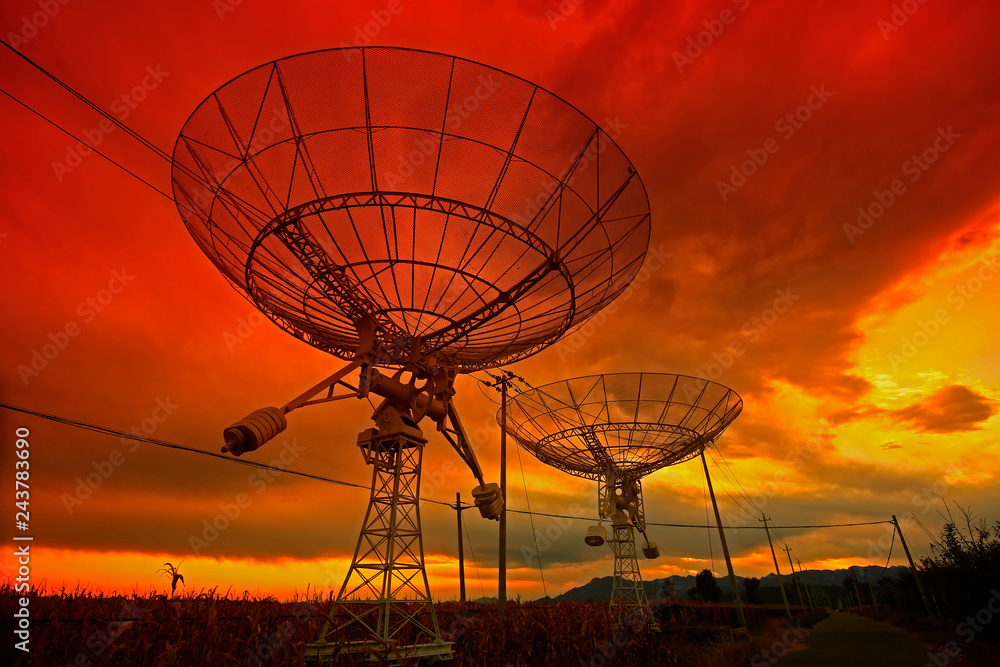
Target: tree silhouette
x=708, y=589
x=963, y=573
x=752, y=587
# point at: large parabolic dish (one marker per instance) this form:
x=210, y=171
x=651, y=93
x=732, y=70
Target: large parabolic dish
x=458, y=208
x=629, y=423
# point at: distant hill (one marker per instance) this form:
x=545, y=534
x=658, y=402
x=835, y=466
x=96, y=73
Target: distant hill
x=599, y=588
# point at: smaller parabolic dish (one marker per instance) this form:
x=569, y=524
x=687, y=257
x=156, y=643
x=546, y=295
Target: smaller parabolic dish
x=632, y=423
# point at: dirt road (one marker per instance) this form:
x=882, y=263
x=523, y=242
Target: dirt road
x=846, y=640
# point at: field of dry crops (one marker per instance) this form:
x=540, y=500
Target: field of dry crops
x=82, y=629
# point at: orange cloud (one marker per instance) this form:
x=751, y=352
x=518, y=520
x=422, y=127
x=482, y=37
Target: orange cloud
x=948, y=410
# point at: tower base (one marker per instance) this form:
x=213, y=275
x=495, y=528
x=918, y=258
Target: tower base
x=384, y=614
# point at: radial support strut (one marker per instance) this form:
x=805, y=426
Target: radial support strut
x=384, y=609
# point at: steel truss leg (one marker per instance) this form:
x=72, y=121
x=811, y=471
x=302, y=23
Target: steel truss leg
x=384, y=608
x=627, y=590
x=629, y=605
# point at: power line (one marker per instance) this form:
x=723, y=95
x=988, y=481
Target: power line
x=723, y=485
x=473, y=550
x=933, y=539
x=253, y=464
x=145, y=142
x=81, y=141
x=702, y=526
x=708, y=523
x=736, y=479
x=171, y=445
x=534, y=536
x=779, y=536
x=891, y=545
x=118, y=123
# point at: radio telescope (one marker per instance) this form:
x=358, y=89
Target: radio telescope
x=418, y=216
x=616, y=429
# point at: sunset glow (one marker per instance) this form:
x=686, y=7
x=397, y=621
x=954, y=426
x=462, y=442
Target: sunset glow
x=825, y=213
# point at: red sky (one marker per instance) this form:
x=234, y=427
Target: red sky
x=874, y=392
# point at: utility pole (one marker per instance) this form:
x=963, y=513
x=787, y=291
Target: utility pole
x=871, y=589
x=502, y=584
x=856, y=588
x=500, y=383
x=805, y=584
x=798, y=591
x=813, y=589
x=784, y=598
x=916, y=575
x=461, y=550
x=740, y=617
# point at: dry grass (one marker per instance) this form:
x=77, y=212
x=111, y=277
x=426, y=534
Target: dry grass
x=84, y=629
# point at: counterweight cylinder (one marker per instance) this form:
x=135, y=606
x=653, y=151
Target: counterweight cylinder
x=254, y=430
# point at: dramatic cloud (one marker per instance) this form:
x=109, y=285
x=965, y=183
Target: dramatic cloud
x=825, y=228
x=951, y=409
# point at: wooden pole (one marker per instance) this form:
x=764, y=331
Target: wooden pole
x=871, y=589
x=798, y=590
x=740, y=617
x=916, y=575
x=461, y=550
x=502, y=584
x=805, y=584
x=777, y=571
